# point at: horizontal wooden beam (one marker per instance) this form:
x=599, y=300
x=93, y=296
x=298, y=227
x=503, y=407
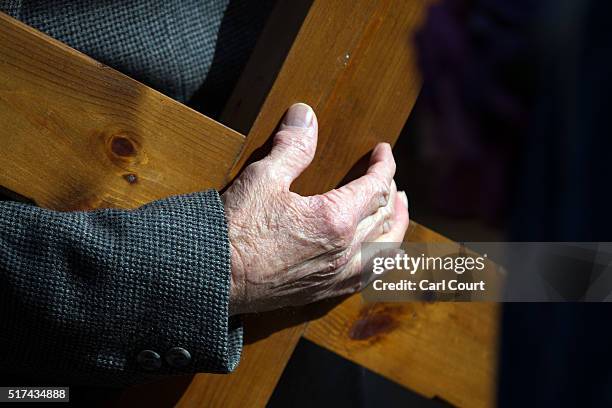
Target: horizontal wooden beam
x=79, y=135
x=445, y=350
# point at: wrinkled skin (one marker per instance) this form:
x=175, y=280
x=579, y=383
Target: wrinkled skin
x=291, y=250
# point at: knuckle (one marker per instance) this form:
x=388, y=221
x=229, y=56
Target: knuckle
x=379, y=185
x=380, y=191
x=337, y=221
x=385, y=212
x=341, y=229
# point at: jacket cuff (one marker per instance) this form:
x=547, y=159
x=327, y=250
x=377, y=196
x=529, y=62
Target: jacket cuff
x=186, y=322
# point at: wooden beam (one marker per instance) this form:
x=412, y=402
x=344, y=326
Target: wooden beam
x=353, y=62
x=254, y=380
x=264, y=64
x=79, y=135
x=440, y=350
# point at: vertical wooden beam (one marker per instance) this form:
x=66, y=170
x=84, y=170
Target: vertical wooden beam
x=353, y=62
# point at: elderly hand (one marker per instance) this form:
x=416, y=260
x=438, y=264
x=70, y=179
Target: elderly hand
x=291, y=250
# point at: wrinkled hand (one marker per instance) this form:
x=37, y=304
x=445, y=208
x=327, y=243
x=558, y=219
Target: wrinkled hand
x=291, y=250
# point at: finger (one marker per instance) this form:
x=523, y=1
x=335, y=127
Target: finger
x=371, y=191
x=378, y=223
x=399, y=221
x=294, y=145
x=394, y=226
x=355, y=277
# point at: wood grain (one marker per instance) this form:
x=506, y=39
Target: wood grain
x=264, y=64
x=354, y=63
x=443, y=350
x=79, y=135
x=261, y=365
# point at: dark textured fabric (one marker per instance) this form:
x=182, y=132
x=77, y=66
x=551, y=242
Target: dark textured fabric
x=240, y=29
x=166, y=44
x=82, y=293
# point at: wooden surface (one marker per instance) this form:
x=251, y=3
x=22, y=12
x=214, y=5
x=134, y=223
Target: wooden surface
x=443, y=350
x=261, y=366
x=79, y=135
x=353, y=62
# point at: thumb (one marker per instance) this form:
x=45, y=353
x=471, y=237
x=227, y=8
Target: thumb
x=295, y=143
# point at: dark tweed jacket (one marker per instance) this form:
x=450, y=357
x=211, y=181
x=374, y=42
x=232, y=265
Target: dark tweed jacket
x=107, y=297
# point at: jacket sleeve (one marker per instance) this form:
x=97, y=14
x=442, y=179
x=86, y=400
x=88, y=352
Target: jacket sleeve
x=117, y=297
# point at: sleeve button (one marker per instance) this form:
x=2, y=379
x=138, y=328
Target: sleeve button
x=149, y=360
x=178, y=357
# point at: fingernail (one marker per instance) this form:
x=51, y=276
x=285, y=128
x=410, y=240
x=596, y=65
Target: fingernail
x=405, y=199
x=299, y=115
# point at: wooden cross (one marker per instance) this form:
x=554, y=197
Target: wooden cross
x=76, y=134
